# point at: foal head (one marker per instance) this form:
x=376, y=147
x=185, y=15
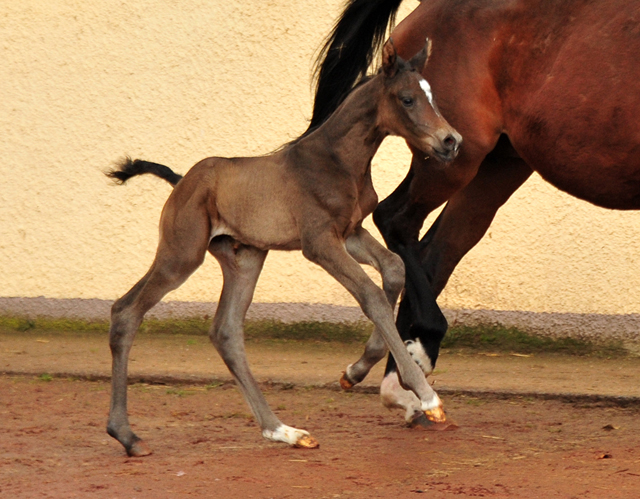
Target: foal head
x=408, y=108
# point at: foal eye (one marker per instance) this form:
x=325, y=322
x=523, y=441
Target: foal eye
x=407, y=101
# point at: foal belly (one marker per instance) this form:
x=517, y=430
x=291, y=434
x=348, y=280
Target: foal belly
x=266, y=226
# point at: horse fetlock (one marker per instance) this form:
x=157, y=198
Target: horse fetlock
x=291, y=436
x=134, y=445
x=393, y=396
x=346, y=380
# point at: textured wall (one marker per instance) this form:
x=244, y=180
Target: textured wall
x=83, y=83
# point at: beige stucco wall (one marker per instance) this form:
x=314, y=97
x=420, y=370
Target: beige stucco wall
x=84, y=82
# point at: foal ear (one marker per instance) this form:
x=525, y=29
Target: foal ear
x=419, y=61
x=389, y=59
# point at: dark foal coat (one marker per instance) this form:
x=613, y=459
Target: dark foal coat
x=532, y=85
x=311, y=195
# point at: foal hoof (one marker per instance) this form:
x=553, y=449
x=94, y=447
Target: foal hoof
x=139, y=449
x=345, y=383
x=307, y=442
x=432, y=420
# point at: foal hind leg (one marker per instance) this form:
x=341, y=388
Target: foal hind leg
x=241, y=267
x=183, y=243
x=366, y=250
x=126, y=316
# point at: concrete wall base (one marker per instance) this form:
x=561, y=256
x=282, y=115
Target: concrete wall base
x=586, y=326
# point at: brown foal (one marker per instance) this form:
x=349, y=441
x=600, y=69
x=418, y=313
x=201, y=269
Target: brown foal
x=311, y=195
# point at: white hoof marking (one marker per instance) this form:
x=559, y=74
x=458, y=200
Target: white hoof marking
x=284, y=433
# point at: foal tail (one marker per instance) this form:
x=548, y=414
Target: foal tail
x=127, y=168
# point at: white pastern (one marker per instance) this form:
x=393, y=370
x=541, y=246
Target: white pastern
x=431, y=404
x=286, y=434
x=393, y=396
x=348, y=371
x=419, y=355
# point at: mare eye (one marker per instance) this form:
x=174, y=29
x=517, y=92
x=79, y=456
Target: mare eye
x=407, y=101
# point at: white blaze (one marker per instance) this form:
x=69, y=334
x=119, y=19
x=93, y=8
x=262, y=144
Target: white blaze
x=426, y=88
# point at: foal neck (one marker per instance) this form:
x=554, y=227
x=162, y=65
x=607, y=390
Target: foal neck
x=353, y=133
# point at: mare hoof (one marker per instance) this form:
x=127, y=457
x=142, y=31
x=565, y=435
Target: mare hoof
x=307, y=442
x=345, y=383
x=432, y=420
x=139, y=449
x=436, y=415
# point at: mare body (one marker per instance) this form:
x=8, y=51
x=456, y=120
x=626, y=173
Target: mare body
x=532, y=85
x=311, y=195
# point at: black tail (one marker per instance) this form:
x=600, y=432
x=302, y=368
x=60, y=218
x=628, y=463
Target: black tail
x=127, y=168
x=349, y=51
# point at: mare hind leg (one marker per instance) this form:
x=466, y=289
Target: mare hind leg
x=172, y=266
x=366, y=250
x=241, y=267
x=460, y=226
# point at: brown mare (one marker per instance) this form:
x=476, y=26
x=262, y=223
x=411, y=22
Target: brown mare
x=551, y=86
x=310, y=195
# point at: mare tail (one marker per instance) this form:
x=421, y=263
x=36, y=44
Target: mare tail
x=348, y=52
x=127, y=168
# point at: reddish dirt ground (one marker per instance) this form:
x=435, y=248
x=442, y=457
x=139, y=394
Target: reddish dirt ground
x=53, y=445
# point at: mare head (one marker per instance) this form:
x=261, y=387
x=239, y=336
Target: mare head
x=408, y=108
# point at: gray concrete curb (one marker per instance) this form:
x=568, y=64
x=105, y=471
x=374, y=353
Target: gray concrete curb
x=624, y=327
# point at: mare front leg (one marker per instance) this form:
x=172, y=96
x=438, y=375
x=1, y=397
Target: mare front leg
x=241, y=267
x=364, y=248
x=328, y=250
x=174, y=263
x=459, y=227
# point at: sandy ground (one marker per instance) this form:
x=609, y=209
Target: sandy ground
x=175, y=358
x=514, y=443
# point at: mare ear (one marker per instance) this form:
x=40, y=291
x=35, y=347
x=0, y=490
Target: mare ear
x=419, y=61
x=389, y=59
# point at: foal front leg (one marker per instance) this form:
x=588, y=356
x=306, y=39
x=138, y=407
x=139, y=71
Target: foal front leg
x=241, y=267
x=328, y=251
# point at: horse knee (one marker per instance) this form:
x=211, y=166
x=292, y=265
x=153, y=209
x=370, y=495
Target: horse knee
x=222, y=336
x=394, y=274
x=120, y=324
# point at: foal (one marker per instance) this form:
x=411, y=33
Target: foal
x=311, y=195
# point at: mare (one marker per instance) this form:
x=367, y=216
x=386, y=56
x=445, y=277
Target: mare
x=310, y=195
x=532, y=85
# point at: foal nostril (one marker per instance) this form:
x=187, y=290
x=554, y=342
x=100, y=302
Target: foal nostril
x=450, y=143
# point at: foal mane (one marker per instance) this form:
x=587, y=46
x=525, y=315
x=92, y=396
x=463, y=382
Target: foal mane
x=312, y=128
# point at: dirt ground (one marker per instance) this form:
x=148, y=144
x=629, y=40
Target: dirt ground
x=511, y=442
x=206, y=445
